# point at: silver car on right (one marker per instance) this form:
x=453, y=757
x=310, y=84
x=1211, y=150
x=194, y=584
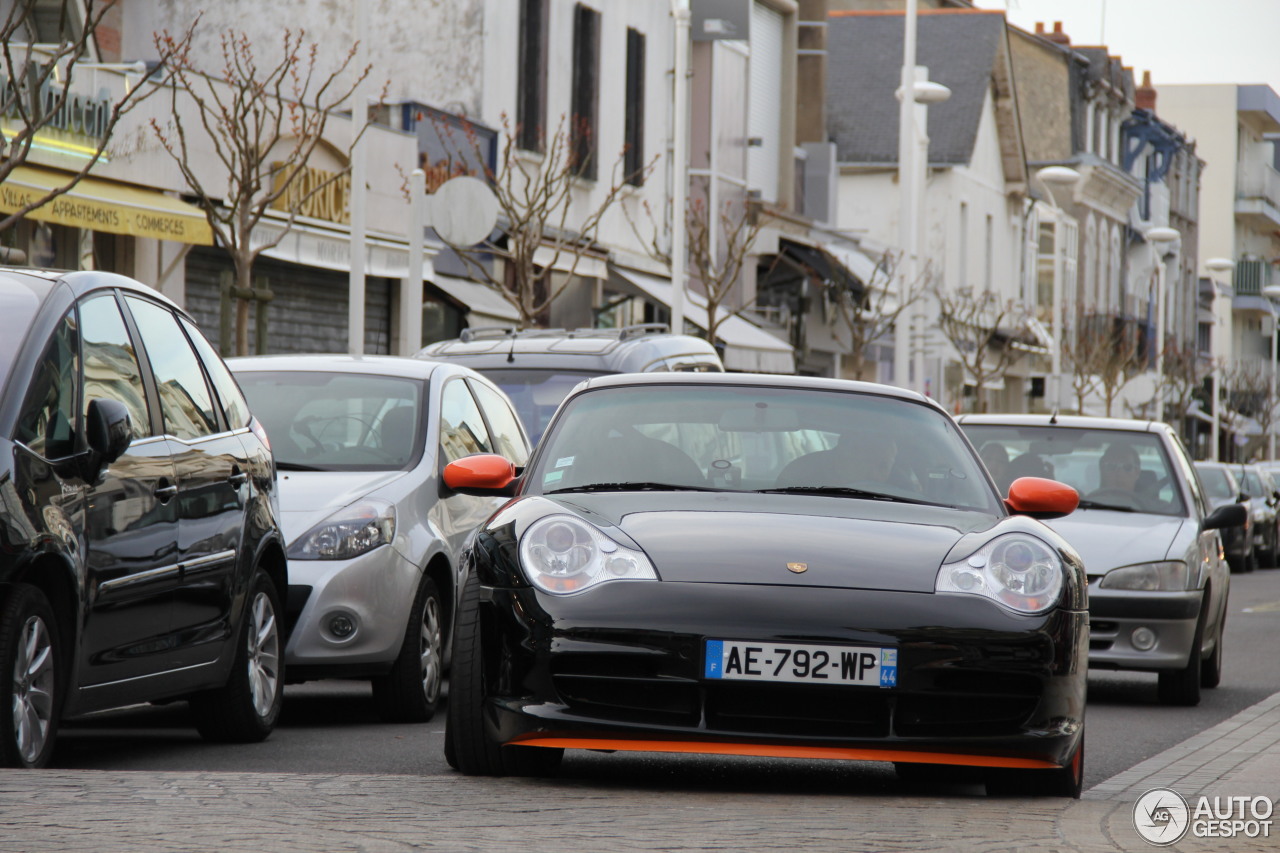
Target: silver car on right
x=1148, y=534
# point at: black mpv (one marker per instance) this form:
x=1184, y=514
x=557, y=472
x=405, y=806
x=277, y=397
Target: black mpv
x=140, y=557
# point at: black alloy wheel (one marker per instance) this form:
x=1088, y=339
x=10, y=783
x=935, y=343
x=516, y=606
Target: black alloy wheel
x=30, y=651
x=410, y=692
x=468, y=748
x=246, y=708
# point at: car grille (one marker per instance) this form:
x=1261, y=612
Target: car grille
x=635, y=689
x=1102, y=635
x=295, y=600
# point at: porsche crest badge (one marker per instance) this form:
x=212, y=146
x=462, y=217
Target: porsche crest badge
x=798, y=568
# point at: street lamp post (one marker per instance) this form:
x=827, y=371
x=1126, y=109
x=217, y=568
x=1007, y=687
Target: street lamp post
x=1065, y=178
x=1216, y=265
x=1160, y=236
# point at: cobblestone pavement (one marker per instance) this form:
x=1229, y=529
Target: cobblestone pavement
x=115, y=812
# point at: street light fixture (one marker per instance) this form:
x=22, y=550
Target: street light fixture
x=1159, y=236
x=1064, y=178
x=1216, y=265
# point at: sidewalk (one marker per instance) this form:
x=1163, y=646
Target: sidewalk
x=120, y=812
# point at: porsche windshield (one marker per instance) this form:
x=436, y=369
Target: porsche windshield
x=736, y=438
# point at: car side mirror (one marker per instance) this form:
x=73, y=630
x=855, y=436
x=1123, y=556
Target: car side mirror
x=1041, y=498
x=485, y=474
x=1228, y=515
x=109, y=433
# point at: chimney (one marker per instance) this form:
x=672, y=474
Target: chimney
x=1058, y=36
x=1145, y=97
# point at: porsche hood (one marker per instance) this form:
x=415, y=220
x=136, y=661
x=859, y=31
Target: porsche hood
x=769, y=539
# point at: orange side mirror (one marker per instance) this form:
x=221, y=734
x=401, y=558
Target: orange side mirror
x=1041, y=498
x=485, y=472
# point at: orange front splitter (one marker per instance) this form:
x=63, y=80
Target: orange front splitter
x=785, y=751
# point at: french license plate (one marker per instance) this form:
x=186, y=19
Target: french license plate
x=795, y=663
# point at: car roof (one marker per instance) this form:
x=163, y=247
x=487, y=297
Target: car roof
x=1068, y=421
x=42, y=281
x=382, y=365
x=628, y=348
x=745, y=380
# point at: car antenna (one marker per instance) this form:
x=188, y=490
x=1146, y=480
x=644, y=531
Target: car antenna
x=511, y=353
x=1053, y=418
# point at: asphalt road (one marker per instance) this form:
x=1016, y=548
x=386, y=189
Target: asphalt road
x=331, y=727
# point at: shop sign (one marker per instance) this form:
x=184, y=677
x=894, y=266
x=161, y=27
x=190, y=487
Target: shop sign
x=83, y=115
x=329, y=202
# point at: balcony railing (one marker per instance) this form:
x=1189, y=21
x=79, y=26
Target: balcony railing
x=1260, y=183
x=1251, y=277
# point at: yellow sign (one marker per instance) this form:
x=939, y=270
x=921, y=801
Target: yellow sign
x=100, y=205
x=314, y=192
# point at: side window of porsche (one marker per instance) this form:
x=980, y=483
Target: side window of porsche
x=47, y=424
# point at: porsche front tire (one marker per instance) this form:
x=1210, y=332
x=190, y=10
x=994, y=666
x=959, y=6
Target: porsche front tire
x=468, y=747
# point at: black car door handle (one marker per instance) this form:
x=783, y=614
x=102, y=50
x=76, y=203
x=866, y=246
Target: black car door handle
x=164, y=493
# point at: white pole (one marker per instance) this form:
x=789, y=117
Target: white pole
x=907, y=213
x=680, y=163
x=359, y=181
x=919, y=185
x=1059, y=328
x=1213, y=429
x=411, y=288
x=1161, y=285
x=1271, y=403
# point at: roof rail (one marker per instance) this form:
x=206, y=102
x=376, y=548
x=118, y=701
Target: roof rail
x=622, y=334
x=642, y=329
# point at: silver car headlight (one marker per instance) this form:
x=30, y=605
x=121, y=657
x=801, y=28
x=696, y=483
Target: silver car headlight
x=348, y=533
x=1168, y=576
x=1015, y=570
x=563, y=554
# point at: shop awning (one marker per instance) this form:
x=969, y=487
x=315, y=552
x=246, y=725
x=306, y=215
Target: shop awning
x=486, y=307
x=101, y=205
x=747, y=347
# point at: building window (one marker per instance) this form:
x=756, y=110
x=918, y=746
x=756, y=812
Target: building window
x=586, y=90
x=531, y=92
x=634, y=131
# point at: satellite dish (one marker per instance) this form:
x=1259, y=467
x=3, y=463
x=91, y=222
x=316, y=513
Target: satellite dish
x=464, y=211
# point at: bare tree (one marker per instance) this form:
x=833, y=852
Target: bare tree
x=262, y=122
x=981, y=326
x=37, y=90
x=542, y=242
x=872, y=313
x=1251, y=395
x=1103, y=355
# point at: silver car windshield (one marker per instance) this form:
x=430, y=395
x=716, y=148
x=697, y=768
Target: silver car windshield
x=338, y=421
x=1111, y=469
x=745, y=439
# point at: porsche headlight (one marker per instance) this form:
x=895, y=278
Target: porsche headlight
x=1017, y=571
x=1169, y=576
x=563, y=554
x=348, y=533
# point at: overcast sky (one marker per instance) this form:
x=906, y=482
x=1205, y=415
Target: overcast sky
x=1178, y=41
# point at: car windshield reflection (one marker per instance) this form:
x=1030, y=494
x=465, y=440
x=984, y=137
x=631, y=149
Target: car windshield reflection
x=338, y=421
x=754, y=439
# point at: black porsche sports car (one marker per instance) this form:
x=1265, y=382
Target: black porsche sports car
x=769, y=566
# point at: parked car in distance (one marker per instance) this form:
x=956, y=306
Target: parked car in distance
x=373, y=535
x=1222, y=488
x=1149, y=535
x=140, y=555
x=1258, y=484
x=538, y=367
x=673, y=571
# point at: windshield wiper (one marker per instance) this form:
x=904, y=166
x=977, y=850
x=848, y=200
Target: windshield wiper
x=294, y=466
x=843, y=492
x=1101, y=505
x=633, y=487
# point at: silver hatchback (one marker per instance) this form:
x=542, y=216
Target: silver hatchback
x=373, y=534
x=1148, y=533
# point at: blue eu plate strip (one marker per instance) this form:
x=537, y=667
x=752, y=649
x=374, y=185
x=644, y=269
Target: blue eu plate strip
x=715, y=659
x=888, y=667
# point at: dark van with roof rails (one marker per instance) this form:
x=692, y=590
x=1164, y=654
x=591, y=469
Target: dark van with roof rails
x=538, y=367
